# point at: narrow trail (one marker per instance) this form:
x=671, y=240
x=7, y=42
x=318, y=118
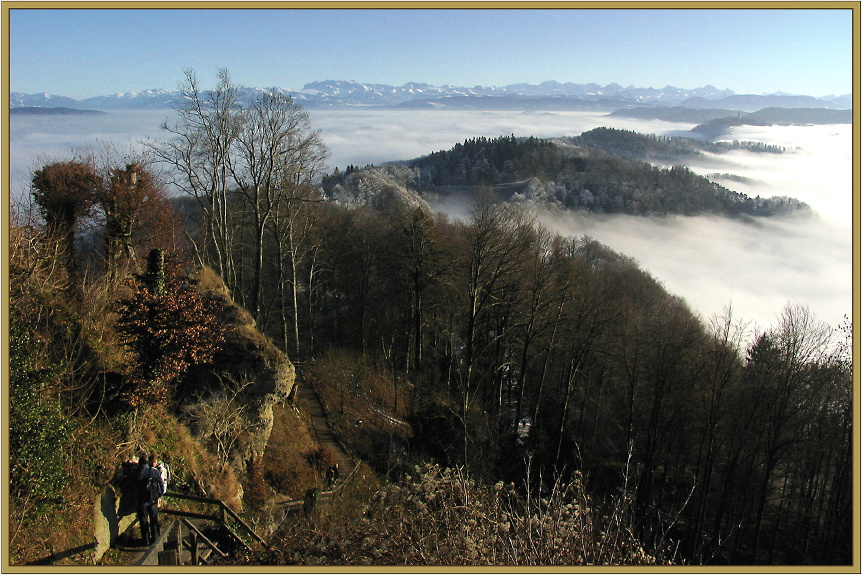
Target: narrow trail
x=325, y=435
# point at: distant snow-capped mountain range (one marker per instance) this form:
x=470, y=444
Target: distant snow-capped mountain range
x=347, y=93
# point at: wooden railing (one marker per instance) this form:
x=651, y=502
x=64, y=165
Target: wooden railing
x=293, y=504
x=223, y=511
x=196, y=537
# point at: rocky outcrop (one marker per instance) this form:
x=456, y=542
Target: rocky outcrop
x=113, y=513
x=250, y=357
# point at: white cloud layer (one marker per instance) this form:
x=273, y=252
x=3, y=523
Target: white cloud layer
x=757, y=267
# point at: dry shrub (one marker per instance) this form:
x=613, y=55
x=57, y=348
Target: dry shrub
x=441, y=517
x=285, y=467
x=249, y=345
x=330, y=516
x=211, y=285
x=208, y=281
x=194, y=468
x=258, y=493
x=291, y=482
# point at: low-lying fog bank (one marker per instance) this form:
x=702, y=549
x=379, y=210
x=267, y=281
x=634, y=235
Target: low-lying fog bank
x=755, y=266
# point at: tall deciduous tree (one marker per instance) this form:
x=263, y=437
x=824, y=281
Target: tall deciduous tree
x=246, y=158
x=199, y=153
x=65, y=192
x=293, y=230
x=276, y=153
x=497, y=241
x=132, y=202
x=419, y=263
x=780, y=363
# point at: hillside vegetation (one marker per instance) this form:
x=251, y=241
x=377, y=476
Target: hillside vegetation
x=514, y=396
x=110, y=363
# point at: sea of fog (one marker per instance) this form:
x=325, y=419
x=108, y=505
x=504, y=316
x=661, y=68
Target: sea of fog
x=754, y=267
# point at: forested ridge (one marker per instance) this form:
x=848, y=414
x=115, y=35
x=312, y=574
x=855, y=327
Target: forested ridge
x=604, y=170
x=522, y=397
x=629, y=144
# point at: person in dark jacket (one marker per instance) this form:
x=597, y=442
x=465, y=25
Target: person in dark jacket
x=142, y=496
x=148, y=500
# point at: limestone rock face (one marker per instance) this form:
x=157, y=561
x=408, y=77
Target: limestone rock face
x=249, y=356
x=113, y=513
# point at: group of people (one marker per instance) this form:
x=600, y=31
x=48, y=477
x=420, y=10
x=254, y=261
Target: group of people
x=149, y=481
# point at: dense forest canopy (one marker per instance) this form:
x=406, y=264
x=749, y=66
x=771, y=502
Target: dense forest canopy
x=602, y=171
x=523, y=359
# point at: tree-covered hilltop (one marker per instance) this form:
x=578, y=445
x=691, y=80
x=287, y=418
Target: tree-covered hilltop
x=764, y=116
x=600, y=171
x=673, y=114
x=650, y=147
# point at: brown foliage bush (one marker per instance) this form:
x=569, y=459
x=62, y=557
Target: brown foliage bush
x=441, y=517
x=167, y=331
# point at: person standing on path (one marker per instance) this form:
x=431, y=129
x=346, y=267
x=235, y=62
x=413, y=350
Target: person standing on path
x=150, y=486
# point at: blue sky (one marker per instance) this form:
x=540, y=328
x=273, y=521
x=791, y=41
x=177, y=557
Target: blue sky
x=89, y=52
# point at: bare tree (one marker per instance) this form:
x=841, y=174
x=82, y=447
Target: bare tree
x=199, y=153
x=780, y=365
x=222, y=418
x=293, y=226
x=247, y=164
x=497, y=241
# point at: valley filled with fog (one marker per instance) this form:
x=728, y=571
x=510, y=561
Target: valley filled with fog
x=754, y=266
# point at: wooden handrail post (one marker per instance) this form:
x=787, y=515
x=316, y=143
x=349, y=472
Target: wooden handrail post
x=194, y=550
x=203, y=539
x=179, y=543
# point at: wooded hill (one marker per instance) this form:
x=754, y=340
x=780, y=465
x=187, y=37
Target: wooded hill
x=602, y=171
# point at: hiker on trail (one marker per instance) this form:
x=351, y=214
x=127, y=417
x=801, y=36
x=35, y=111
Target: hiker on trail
x=163, y=468
x=150, y=486
x=332, y=474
